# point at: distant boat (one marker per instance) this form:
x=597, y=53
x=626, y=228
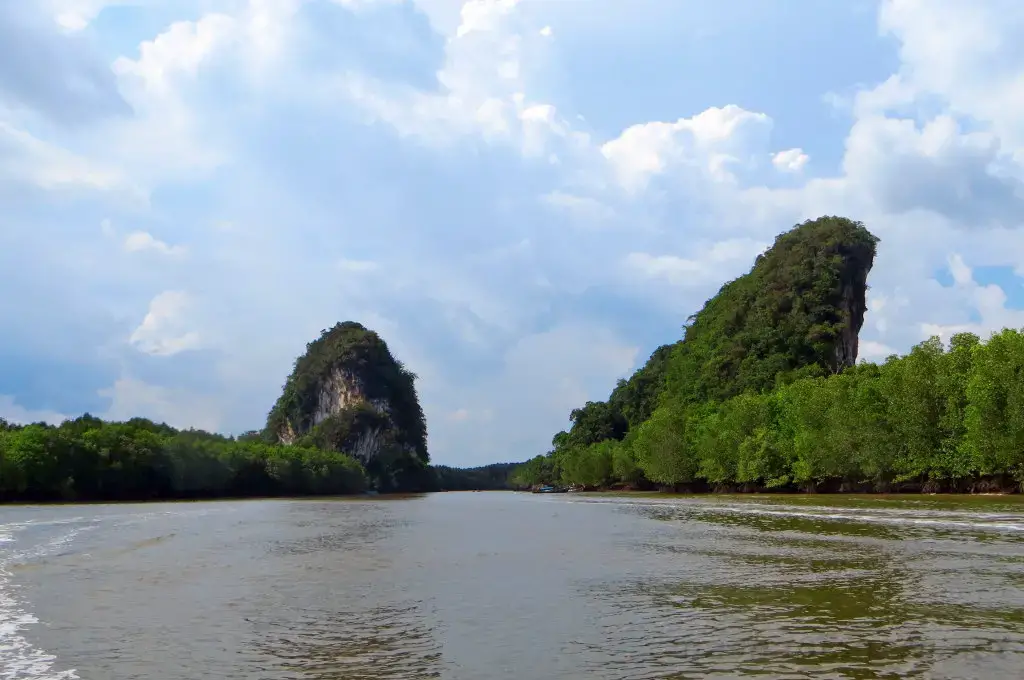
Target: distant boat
x=549, y=489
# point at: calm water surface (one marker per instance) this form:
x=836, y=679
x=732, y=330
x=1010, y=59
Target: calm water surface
x=481, y=586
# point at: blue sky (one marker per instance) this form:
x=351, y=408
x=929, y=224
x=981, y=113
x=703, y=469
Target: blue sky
x=523, y=197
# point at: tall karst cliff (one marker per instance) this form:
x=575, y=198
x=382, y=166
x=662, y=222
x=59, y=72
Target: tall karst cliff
x=798, y=311
x=348, y=393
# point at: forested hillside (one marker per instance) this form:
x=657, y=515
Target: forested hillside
x=762, y=393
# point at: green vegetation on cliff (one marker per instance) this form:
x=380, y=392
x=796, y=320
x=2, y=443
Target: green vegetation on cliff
x=800, y=307
x=762, y=393
x=347, y=393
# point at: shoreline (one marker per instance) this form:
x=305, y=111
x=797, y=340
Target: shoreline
x=625, y=492
x=398, y=495
x=785, y=492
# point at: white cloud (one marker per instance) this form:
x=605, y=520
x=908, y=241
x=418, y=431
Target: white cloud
x=986, y=302
x=790, y=160
x=163, y=331
x=141, y=241
x=12, y=412
x=483, y=15
x=710, y=141
x=25, y=158
x=178, y=51
x=967, y=54
x=937, y=166
x=75, y=15
x=877, y=352
x=484, y=87
x=131, y=398
x=709, y=265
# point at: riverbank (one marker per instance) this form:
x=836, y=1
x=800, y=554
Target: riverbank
x=43, y=503
x=985, y=486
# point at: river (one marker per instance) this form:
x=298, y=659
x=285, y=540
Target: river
x=482, y=586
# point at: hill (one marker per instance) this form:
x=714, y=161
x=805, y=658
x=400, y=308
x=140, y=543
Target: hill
x=347, y=393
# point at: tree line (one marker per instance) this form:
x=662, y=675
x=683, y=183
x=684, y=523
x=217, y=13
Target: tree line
x=89, y=459
x=941, y=418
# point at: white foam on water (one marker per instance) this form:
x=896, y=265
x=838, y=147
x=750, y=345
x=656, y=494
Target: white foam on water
x=939, y=519
x=19, y=659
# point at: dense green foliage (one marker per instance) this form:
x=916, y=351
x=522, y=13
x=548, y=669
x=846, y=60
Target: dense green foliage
x=637, y=397
x=796, y=314
x=785, y=315
x=494, y=477
x=940, y=418
x=88, y=459
x=760, y=394
x=390, y=440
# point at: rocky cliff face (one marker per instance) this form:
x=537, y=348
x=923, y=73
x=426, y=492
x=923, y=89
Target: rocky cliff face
x=852, y=305
x=337, y=391
x=348, y=393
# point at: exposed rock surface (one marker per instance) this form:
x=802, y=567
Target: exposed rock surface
x=852, y=306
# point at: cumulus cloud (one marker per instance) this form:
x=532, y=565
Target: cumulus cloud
x=790, y=160
x=986, y=303
x=936, y=166
x=967, y=55
x=163, y=331
x=711, y=142
x=709, y=265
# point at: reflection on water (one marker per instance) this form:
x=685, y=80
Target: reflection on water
x=852, y=592
x=486, y=586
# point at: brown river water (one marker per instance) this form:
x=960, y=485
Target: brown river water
x=482, y=586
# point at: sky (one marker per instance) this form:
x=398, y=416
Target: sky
x=523, y=197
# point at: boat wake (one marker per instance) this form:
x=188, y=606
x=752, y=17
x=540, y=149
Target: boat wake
x=19, y=658
x=954, y=520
